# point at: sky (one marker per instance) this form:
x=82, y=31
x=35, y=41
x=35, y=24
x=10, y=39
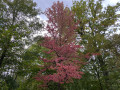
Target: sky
x=44, y=4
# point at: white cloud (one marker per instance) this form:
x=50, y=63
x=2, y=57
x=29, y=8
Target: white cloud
x=112, y=2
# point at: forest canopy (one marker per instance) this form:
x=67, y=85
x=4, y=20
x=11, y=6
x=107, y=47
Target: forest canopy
x=80, y=50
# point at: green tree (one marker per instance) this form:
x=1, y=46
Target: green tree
x=18, y=22
x=94, y=30
x=30, y=65
x=114, y=61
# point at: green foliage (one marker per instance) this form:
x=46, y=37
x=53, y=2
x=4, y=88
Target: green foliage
x=30, y=66
x=18, y=22
x=19, y=66
x=94, y=30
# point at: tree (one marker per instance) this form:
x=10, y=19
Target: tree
x=18, y=21
x=94, y=31
x=29, y=67
x=64, y=62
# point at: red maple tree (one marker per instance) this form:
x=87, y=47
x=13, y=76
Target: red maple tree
x=61, y=42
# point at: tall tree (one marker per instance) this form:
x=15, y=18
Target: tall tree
x=64, y=63
x=18, y=20
x=94, y=30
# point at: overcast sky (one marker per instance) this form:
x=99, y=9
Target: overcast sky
x=44, y=4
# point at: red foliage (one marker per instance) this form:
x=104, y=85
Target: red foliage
x=61, y=43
